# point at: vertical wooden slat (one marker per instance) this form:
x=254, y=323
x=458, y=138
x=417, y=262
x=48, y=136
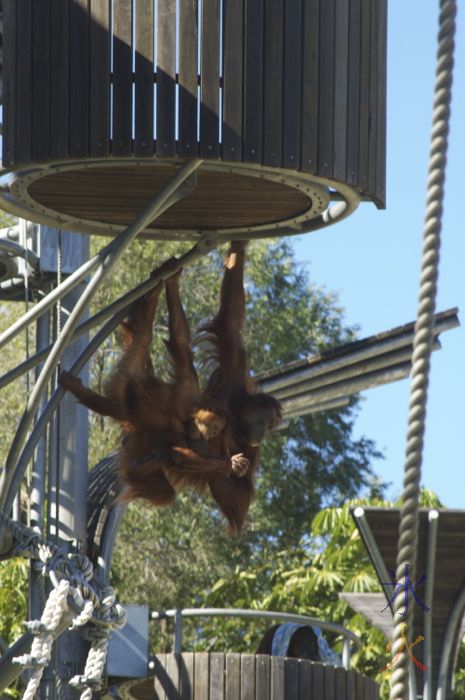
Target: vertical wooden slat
x=263, y=679
x=172, y=677
x=233, y=673
x=380, y=191
x=201, y=676
x=159, y=675
x=79, y=78
x=291, y=678
x=253, y=80
x=373, y=118
x=144, y=78
x=248, y=677
x=326, y=90
x=305, y=680
x=292, y=83
x=359, y=686
x=9, y=81
x=41, y=80
x=210, y=80
x=341, y=687
x=364, y=122
x=318, y=681
x=100, y=78
x=277, y=678
x=341, y=88
x=166, y=77
x=273, y=83
x=59, y=79
x=217, y=667
x=353, y=96
x=350, y=686
x=186, y=673
x=122, y=78
x=330, y=683
x=188, y=38
x=310, y=85
x=24, y=81
x=233, y=27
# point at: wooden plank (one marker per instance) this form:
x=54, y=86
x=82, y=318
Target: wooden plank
x=122, y=78
x=41, y=80
x=277, y=678
x=373, y=121
x=310, y=85
x=172, y=677
x=233, y=675
x=326, y=90
x=217, y=672
x=364, y=121
x=188, y=70
x=291, y=678
x=341, y=76
x=201, y=676
x=318, y=678
x=253, y=80
x=380, y=190
x=9, y=82
x=79, y=79
x=59, y=79
x=100, y=78
x=341, y=686
x=166, y=78
x=186, y=673
x=273, y=84
x=263, y=677
x=248, y=677
x=144, y=78
x=359, y=686
x=350, y=685
x=292, y=83
x=24, y=81
x=159, y=676
x=233, y=30
x=330, y=683
x=210, y=80
x=353, y=94
x=305, y=680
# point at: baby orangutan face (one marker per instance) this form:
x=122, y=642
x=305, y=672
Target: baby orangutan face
x=209, y=423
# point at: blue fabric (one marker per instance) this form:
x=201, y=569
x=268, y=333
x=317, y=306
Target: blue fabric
x=282, y=638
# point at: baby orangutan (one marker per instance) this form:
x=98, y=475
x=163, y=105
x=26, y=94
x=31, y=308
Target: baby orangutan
x=161, y=421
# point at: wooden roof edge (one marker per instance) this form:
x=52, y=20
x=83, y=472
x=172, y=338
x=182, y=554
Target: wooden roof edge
x=448, y=317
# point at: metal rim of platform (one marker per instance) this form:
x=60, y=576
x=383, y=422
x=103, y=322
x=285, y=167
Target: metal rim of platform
x=330, y=201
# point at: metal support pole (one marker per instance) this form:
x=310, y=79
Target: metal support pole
x=104, y=269
x=177, y=645
x=433, y=521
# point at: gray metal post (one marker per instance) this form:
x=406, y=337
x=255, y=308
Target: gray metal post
x=68, y=464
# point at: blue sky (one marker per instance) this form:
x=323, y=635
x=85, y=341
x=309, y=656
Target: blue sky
x=373, y=258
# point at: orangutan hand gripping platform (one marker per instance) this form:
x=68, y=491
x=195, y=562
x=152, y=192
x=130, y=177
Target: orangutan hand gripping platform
x=173, y=436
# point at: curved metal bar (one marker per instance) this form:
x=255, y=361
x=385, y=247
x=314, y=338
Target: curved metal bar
x=104, y=269
x=450, y=636
x=15, y=477
x=18, y=251
x=259, y=614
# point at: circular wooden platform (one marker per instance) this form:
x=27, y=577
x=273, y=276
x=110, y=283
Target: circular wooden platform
x=223, y=199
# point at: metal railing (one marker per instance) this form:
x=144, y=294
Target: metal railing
x=178, y=614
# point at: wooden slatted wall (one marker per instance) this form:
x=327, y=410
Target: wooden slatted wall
x=217, y=676
x=294, y=84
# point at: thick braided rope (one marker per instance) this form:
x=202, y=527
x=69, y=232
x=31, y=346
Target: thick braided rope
x=41, y=649
x=408, y=529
